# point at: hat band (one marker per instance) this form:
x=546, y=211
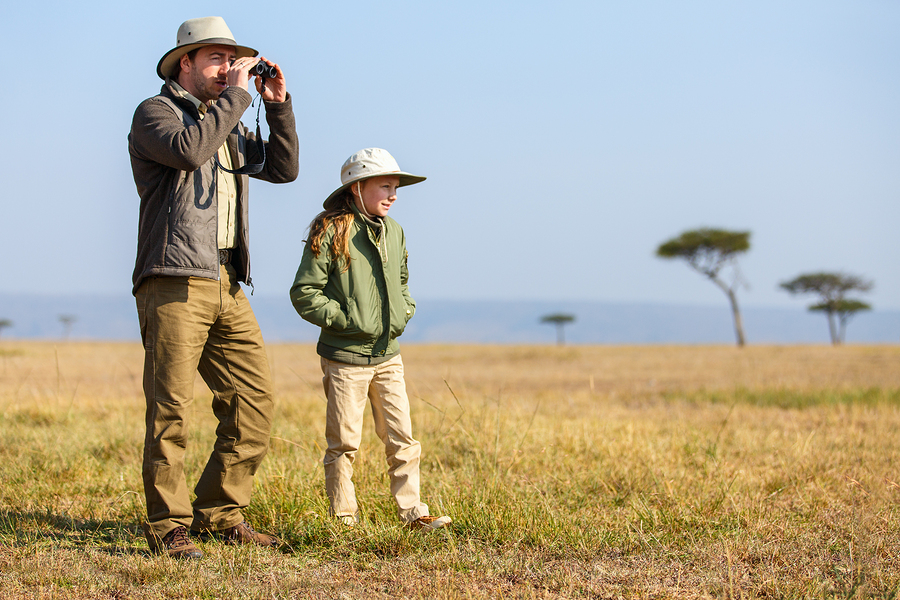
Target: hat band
x=209, y=42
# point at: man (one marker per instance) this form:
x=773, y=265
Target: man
x=191, y=157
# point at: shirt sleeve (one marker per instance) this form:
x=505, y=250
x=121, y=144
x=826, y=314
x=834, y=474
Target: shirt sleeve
x=308, y=291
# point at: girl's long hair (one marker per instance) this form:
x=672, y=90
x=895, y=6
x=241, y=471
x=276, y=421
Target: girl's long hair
x=341, y=218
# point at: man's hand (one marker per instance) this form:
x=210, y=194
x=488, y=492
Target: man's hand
x=276, y=88
x=238, y=73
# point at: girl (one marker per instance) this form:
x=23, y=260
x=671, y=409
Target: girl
x=352, y=282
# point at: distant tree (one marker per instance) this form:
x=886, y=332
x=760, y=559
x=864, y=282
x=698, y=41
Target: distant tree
x=67, y=322
x=560, y=320
x=831, y=289
x=4, y=323
x=707, y=251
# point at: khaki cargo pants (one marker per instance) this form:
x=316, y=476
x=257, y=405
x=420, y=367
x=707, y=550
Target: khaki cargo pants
x=347, y=388
x=191, y=324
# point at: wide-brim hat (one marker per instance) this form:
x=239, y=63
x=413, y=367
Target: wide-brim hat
x=367, y=163
x=196, y=33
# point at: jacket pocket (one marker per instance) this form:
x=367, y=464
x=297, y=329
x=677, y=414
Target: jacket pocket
x=354, y=329
x=399, y=320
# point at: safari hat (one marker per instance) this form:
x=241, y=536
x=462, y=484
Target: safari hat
x=369, y=162
x=195, y=33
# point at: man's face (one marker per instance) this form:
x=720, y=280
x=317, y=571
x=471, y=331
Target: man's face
x=204, y=77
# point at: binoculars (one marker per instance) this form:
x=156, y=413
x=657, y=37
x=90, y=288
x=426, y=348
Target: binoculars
x=263, y=70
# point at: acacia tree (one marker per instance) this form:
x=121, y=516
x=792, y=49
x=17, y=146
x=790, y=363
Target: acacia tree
x=832, y=289
x=708, y=251
x=4, y=323
x=67, y=322
x=560, y=320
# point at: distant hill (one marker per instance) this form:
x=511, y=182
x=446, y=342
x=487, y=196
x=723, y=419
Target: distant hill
x=514, y=322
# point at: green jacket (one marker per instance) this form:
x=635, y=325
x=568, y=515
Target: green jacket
x=365, y=308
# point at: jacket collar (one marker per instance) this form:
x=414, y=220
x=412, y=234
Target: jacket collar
x=374, y=223
x=177, y=93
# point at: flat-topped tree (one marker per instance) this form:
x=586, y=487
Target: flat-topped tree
x=708, y=251
x=832, y=289
x=67, y=322
x=560, y=320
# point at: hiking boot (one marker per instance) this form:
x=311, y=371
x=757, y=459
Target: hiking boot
x=429, y=522
x=176, y=544
x=243, y=533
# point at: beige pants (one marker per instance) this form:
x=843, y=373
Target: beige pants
x=347, y=388
x=191, y=324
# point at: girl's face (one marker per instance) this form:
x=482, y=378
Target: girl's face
x=378, y=194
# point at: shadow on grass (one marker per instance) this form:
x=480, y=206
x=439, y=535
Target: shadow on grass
x=33, y=528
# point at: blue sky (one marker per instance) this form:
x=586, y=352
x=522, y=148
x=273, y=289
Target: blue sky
x=563, y=141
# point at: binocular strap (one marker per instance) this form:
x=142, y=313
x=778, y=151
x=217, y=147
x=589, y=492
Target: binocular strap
x=255, y=168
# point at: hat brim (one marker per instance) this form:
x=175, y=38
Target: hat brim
x=167, y=63
x=405, y=179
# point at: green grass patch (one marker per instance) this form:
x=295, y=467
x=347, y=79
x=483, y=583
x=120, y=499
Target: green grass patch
x=792, y=399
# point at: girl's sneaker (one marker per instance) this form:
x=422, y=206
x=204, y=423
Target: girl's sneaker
x=429, y=522
x=348, y=520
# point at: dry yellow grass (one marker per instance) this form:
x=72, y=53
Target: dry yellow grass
x=642, y=370
x=101, y=371
x=570, y=472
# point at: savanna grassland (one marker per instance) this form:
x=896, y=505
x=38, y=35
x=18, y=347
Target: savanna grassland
x=575, y=472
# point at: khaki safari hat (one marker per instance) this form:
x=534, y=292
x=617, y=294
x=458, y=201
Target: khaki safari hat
x=369, y=162
x=195, y=33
